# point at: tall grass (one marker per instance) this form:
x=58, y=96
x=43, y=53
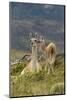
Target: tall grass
x=31, y=84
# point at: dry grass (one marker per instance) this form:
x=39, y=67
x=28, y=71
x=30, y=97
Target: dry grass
x=32, y=84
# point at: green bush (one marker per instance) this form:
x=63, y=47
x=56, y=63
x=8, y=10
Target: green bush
x=16, y=69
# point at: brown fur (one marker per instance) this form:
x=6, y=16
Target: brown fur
x=50, y=52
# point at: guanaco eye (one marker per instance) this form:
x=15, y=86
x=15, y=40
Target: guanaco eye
x=35, y=40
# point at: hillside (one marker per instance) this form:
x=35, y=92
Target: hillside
x=37, y=83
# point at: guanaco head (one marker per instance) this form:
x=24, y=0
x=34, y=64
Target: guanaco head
x=34, y=41
x=41, y=42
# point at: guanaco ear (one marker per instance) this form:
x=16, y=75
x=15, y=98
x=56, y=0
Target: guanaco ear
x=36, y=34
x=41, y=38
x=30, y=35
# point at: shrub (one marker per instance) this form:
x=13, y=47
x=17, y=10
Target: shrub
x=16, y=69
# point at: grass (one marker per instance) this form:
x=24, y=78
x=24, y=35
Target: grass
x=32, y=84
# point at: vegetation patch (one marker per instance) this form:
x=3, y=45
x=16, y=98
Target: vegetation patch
x=30, y=84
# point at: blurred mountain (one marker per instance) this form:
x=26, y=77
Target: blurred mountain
x=46, y=20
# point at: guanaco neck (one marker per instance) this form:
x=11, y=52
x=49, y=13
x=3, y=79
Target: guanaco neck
x=43, y=46
x=34, y=57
